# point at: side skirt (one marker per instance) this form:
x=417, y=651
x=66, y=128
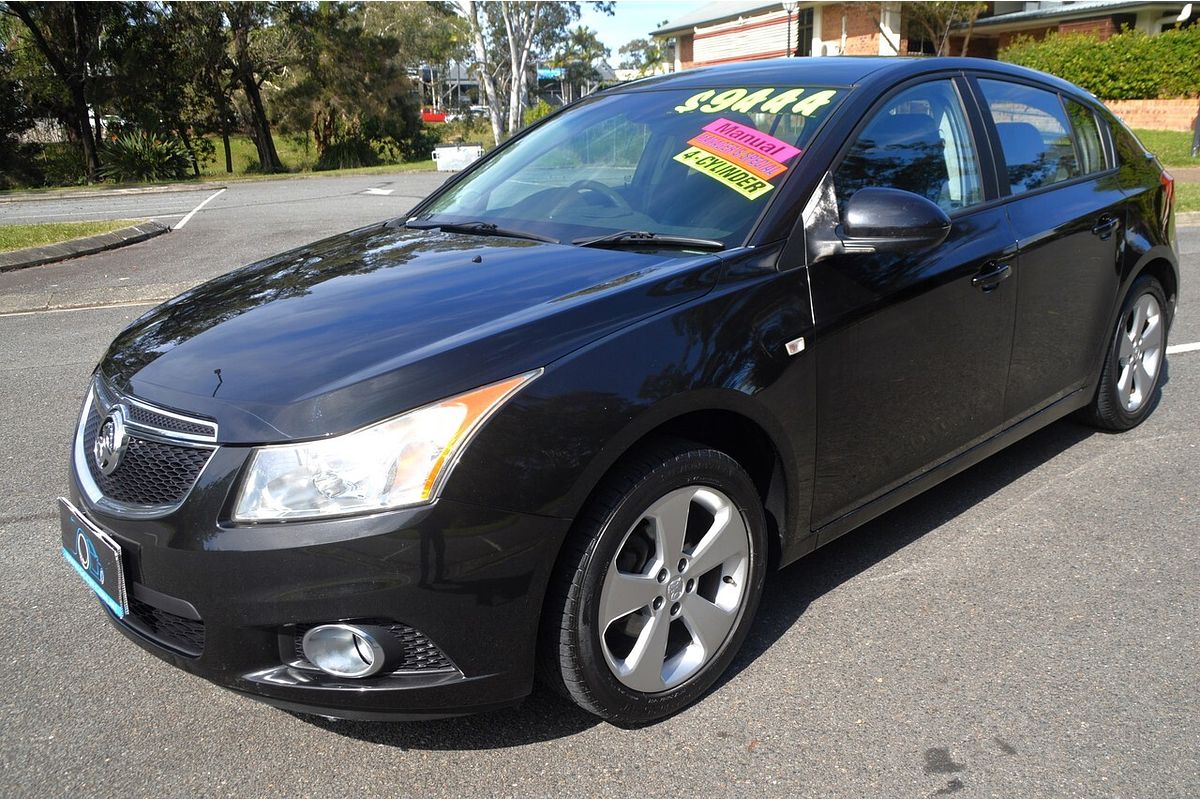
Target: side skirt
x=860, y=516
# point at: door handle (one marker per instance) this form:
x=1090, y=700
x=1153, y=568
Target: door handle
x=1105, y=226
x=990, y=276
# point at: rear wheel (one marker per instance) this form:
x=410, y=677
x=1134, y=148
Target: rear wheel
x=658, y=586
x=1133, y=366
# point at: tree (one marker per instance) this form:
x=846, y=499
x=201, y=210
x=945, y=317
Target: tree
x=68, y=36
x=15, y=115
x=203, y=39
x=254, y=62
x=936, y=21
x=644, y=55
x=348, y=84
x=506, y=37
x=428, y=37
x=578, y=58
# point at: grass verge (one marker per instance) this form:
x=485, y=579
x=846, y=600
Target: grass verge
x=18, y=237
x=1187, y=197
x=1173, y=148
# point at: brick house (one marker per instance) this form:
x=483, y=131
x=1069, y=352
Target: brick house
x=721, y=32
x=1008, y=20
x=744, y=30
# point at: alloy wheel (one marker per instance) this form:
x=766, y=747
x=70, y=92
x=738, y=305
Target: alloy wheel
x=675, y=589
x=1140, y=352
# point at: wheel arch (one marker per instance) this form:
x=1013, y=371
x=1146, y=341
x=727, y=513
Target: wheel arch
x=727, y=421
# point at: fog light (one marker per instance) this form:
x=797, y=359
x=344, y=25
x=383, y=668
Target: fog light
x=347, y=651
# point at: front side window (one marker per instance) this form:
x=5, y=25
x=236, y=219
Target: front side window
x=919, y=142
x=1034, y=135
x=699, y=163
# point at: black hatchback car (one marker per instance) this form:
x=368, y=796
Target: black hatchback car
x=562, y=417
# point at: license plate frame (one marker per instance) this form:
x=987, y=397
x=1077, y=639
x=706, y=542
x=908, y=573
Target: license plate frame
x=95, y=556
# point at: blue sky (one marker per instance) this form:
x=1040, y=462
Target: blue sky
x=633, y=19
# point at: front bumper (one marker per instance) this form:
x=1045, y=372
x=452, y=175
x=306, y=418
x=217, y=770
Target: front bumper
x=469, y=579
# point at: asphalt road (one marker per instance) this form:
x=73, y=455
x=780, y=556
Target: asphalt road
x=248, y=221
x=1027, y=628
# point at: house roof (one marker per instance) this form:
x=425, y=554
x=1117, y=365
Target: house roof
x=1086, y=8
x=713, y=12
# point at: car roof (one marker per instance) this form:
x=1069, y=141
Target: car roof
x=831, y=71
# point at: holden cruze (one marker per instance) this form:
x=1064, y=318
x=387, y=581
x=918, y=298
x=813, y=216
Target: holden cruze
x=562, y=417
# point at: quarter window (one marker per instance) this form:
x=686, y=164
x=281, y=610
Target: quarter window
x=1034, y=135
x=918, y=142
x=1087, y=136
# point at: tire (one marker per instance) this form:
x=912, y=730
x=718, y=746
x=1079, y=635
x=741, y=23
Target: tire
x=1135, y=361
x=620, y=597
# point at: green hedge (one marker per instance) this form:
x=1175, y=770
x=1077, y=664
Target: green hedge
x=1129, y=65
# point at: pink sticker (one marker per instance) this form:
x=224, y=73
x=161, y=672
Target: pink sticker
x=752, y=160
x=752, y=138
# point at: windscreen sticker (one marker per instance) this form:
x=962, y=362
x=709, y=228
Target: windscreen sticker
x=755, y=162
x=767, y=101
x=725, y=172
x=755, y=139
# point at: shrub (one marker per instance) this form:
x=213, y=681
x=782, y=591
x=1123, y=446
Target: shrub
x=62, y=164
x=348, y=154
x=135, y=157
x=536, y=112
x=1129, y=65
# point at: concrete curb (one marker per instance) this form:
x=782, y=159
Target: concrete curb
x=85, y=246
x=1187, y=218
x=69, y=194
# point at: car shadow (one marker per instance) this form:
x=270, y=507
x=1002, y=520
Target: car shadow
x=544, y=716
x=790, y=591
x=541, y=717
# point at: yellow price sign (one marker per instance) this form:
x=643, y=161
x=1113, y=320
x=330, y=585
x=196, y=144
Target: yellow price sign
x=724, y=172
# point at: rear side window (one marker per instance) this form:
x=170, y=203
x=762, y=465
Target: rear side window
x=1035, y=135
x=1087, y=136
x=919, y=142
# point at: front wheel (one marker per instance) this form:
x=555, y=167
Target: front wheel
x=658, y=585
x=1133, y=365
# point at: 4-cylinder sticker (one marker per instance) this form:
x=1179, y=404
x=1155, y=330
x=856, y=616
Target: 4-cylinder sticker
x=767, y=101
x=723, y=171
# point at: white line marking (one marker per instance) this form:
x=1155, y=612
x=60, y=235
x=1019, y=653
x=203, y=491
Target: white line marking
x=95, y=307
x=379, y=191
x=1183, y=348
x=192, y=213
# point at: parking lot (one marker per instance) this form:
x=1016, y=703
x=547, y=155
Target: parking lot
x=1027, y=628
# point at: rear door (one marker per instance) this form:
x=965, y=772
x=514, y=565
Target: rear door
x=912, y=349
x=1066, y=212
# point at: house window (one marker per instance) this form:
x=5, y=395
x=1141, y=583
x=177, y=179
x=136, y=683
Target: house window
x=804, y=32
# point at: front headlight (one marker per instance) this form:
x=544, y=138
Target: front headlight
x=401, y=461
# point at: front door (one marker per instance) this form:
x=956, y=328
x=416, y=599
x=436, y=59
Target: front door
x=912, y=349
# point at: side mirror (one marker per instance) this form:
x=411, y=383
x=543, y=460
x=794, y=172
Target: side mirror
x=879, y=220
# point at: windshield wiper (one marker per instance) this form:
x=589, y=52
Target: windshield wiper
x=635, y=238
x=483, y=229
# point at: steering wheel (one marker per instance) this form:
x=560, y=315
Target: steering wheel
x=614, y=197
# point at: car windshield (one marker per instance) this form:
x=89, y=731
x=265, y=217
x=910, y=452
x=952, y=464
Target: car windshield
x=693, y=163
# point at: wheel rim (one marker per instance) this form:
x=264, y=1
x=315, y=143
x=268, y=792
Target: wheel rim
x=1140, y=352
x=675, y=589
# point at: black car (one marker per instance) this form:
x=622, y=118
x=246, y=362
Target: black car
x=562, y=418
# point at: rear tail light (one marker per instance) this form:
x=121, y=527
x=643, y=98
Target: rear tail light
x=1168, y=184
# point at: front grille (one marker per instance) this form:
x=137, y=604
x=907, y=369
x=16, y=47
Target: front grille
x=145, y=416
x=179, y=633
x=419, y=653
x=150, y=473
